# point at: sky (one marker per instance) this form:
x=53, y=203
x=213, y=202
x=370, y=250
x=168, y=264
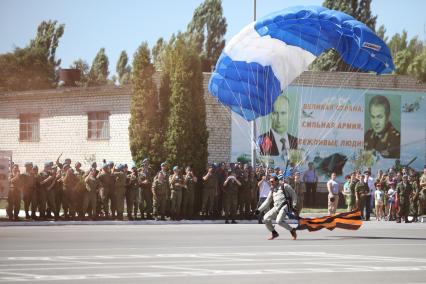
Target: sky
x=123, y=25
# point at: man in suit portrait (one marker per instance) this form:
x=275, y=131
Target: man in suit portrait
x=277, y=141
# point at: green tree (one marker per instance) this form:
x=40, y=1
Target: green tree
x=98, y=74
x=47, y=39
x=407, y=55
x=34, y=66
x=157, y=50
x=361, y=11
x=145, y=138
x=207, y=29
x=417, y=67
x=186, y=136
x=123, y=69
x=81, y=65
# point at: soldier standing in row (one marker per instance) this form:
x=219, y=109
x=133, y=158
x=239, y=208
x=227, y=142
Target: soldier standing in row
x=92, y=186
x=159, y=190
x=107, y=190
x=48, y=181
x=14, y=195
x=244, y=194
x=28, y=191
x=120, y=189
x=230, y=197
x=422, y=195
x=361, y=191
x=69, y=183
x=176, y=186
x=404, y=191
x=414, y=200
x=132, y=192
x=145, y=182
x=188, y=196
x=209, y=190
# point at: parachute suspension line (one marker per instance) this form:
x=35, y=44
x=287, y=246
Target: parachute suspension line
x=311, y=148
x=337, y=114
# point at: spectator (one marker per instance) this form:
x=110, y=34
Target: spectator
x=333, y=194
x=310, y=179
x=378, y=201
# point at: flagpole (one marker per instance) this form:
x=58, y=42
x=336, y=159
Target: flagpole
x=253, y=123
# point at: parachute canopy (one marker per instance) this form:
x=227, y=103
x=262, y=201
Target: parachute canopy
x=267, y=55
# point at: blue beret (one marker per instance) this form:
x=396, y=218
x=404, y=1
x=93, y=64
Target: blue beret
x=104, y=166
x=277, y=168
x=175, y=168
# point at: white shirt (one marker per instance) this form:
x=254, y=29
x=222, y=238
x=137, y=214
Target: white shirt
x=278, y=137
x=370, y=183
x=334, y=186
x=264, y=189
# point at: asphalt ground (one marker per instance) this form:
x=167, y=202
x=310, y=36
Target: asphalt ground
x=379, y=252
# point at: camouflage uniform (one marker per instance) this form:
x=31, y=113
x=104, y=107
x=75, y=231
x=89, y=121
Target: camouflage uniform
x=209, y=191
x=351, y=198
x=414, y=200
x=422, y=195
x=145, y=203
x=47, y=188
x=244, y=194
x=29, y=196
x=360, y=189
x=70, y=185
x=132, y=192
x=404, y=191
x=176, y=186
x=230, y=199
x=120, y=191
x=387, y=143
x=188, y=197
x=159, y=190
x=14, y=196
x=107, y=192
x=92, y=185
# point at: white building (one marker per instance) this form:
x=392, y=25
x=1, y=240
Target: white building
x=86, y=124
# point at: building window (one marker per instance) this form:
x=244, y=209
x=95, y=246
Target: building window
x=29, y=127
x=98, y=125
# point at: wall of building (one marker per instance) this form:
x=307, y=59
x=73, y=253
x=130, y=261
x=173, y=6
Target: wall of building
x=63, y=124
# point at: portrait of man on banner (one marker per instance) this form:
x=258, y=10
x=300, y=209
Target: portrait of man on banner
x=278, y=141
x=382, y=124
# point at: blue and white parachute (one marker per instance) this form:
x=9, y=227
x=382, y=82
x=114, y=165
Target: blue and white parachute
x=267, y=55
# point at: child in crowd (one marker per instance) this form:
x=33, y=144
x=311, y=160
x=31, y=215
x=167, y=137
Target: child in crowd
x=390, y=206
x=378, y=201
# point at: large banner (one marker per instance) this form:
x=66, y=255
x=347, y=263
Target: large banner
x=338, y=129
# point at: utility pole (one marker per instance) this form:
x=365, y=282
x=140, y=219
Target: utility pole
x=253, y=123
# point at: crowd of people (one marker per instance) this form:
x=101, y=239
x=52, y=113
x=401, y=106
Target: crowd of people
x=230, y=191
x=393, y=195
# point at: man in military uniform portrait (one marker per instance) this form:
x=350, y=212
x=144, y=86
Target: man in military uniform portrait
x=382, y=137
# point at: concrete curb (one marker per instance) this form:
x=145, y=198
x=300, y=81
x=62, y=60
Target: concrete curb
x=107, y=222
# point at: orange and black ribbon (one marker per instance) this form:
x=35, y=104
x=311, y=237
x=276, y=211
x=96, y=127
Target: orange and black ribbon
x=347, y=220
